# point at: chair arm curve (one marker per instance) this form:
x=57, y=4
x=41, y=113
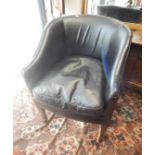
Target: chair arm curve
x=50, y=50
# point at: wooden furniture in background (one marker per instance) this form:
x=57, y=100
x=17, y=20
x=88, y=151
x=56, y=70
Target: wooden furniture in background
x=137, y=32
x=84, y=7
x=63, y=6
x=133, y=70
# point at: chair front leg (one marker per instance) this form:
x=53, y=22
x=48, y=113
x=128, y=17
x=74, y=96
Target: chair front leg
x=42, y=113
x=85, y=131
x=101, y=132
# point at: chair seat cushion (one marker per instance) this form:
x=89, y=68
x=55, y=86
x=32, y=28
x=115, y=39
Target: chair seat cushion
x=74, y=84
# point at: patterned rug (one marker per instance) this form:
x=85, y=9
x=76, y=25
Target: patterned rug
x=66, y=137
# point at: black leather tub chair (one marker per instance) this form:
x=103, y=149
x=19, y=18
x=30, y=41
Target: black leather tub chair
x=77, y=69
x=126, y=14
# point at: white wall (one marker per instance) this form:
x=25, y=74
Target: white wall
x=27, y=31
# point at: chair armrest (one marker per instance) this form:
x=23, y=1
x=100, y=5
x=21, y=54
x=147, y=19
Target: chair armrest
x=114, y=63
x=51, y=49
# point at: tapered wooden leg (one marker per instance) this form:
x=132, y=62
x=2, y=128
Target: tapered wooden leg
x=85, y=131
x=85, y=128
x=42, y=113
x=101, y=132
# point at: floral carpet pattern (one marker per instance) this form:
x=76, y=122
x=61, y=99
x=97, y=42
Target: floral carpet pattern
x=63, y=136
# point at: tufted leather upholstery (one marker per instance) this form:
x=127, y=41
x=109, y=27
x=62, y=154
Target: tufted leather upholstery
x=126, y=14
x=78, y=66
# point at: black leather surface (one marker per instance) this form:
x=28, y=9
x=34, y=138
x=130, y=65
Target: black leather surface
x=126, y=14
x=102, y=38
x=76, y=83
